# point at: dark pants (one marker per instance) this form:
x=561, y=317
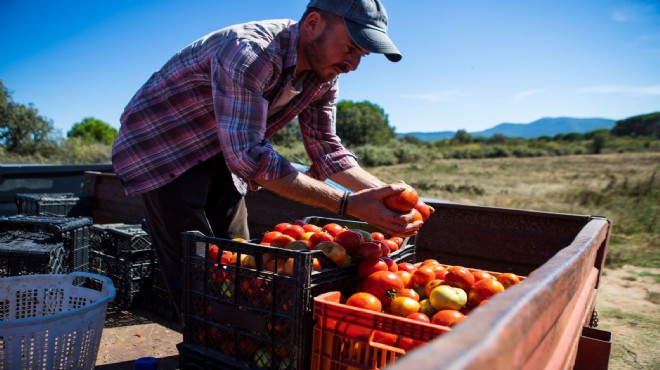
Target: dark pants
x=203, y=199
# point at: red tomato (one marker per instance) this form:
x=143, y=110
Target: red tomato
x=507, y=279
x=481, y=274
x=370, y=265
x=416, y=215
x=392, y=245
x=349, y=239
x=423, y=275
x=447, y=318
x=406, y=266
x=408, y=292
x=398, y=240
x=213, y=252
x=269, y=236
x=418, y=316
x=423, y=209
x=406, y=277
x=459, y=277
x=281, y=241
x=402, y=202
x=365, y=300
x=281, y=227
x=391, y=264
x=369, y=249
x=311, y=227
x=294, y=231
x=483, y=289
x=431, y=262
x=384, y=285
x=377, y=236
x=333, y=229
x=318, y=237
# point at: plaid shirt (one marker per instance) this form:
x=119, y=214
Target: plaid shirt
x=213, y=97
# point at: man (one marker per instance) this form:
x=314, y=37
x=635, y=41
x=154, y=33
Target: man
x=194, y=138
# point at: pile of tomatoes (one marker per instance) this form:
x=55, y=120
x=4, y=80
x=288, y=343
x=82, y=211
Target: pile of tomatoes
x=428, y=291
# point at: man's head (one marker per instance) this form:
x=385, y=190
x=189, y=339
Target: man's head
x=366, y=21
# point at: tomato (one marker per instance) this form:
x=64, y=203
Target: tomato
x=334, y=251
x=423, y=275
x=481, y=274
x=311, y=227
x=408, y=292
x=431, y=262
x=281, y=241
x=447, y=318
x=483, y=289
x=377, y=236
x=423, y=209
x=318, y=237
x=440, y=271
x=416, y=215
x=459, y=277
x=403, y=306
x=507, y=279
x=406, y=266
x=392, y=245
x=384, y=285
x=431, y=285
x=369, y=249
x=281, y=227
x=427, y=308
x=391, y=264
x=349, y=239
x=398, y=240
x=213, y=252
x=388, y=339
x=294, y=231
x=418, y=316
x=370, y=265
x=333, y=229
x=402, y=202
x=384, y=248
x=406, y=277
x=366, y=301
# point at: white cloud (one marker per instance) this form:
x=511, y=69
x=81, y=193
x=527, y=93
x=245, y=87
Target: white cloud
x=526, y=94
x=432, y=97
x=629, y=90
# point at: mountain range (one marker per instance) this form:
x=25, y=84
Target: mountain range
x=541, y=127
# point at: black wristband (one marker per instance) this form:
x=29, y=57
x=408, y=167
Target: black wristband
x=343, y=204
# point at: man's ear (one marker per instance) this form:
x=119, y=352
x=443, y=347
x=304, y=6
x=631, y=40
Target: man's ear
x=313, y=22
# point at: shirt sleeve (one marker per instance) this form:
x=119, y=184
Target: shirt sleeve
x=240, y=73
x=324, y=147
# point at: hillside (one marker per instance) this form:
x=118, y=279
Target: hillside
x=541, y=127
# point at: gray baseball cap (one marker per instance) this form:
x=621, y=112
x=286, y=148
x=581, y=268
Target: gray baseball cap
x=366, y=21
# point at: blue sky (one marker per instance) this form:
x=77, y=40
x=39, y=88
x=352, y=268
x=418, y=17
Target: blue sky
x=466, y=64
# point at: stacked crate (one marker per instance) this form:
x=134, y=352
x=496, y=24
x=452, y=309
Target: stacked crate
x=123, y=253
x=51, y=204
x=34, y=244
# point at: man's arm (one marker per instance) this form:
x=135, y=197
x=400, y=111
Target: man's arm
x=356, y=178
x=366, y=205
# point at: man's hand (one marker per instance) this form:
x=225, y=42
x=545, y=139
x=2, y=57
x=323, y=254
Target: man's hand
x=368, y=206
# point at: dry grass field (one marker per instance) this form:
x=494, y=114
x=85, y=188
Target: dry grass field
x=625, y=188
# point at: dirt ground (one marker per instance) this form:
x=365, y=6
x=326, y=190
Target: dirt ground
x=628, y=306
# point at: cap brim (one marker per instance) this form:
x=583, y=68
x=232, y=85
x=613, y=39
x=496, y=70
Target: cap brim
x=373, y=40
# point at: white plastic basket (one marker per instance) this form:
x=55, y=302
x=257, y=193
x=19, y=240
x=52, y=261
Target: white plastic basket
x=48, y=322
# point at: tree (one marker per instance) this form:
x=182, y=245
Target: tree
x=462, y=136
x=363, y=123
x=22, y=130
x=93, y=130
x=642, y=125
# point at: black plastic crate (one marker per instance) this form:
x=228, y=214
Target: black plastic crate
x=29, y=253
x=253, y=318
x=120, y=239
x=52, y=205
x=73, y=232
x=131, y=277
